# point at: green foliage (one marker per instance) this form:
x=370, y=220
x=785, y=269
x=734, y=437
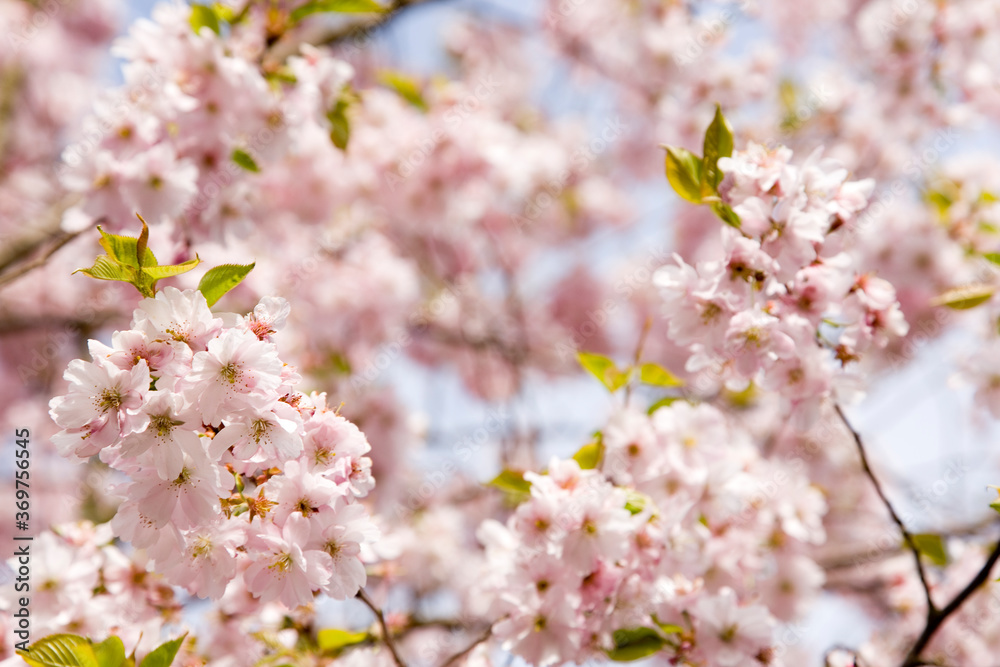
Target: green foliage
x=589, y=456
x=662, y=403
x=605, y=370
x=341, y=6
x=405, y=86
x=513, y=484
x=164, y=654
x=61, y=650
x=66, y=650
x=718, y=143
x=658, y=376
x=933, y=547
x=635, y=501
x=332, y=639
x=204, y=16
x=965, y=296
x=696, y=179
x=340, y=123
x=110, y=653
x=129, y=260
x=218, y=281
x=684, y=173
x=245, y=160
x=635, y=643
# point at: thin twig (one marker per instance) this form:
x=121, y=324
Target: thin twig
x=20, y=269
x=386, y=637
x=907, y=536
x=468, y=649
x=938, y=618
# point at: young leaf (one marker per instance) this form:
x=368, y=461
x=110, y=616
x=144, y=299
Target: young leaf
x=965, y=297
x=659, y=376
x=342, y=6
x=512, y=482
x=662, y=403
x=718, y=143
x=110, y=653
x=635, y=643
x=589, y=456
x=992, y=257
x=332, y=639
x=933, y=547
x=203, y=16
x=684, y=173
x=63, y=650
x=604, y=369
x=406, y=86
x=105, y=268
x=124, y=249
x=340, y=124
x=245, y=160
x=221, y=279
x=155, y=273
x=635, y=502
x=163, y=654
x=725, y=213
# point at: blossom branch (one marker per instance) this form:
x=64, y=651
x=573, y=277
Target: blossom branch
x=936, y=619
x=907, y=536
x=386, y=636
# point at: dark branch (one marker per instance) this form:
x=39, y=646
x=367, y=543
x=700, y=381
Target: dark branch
x=937, y=619
x=386, y=637
x=907, y=536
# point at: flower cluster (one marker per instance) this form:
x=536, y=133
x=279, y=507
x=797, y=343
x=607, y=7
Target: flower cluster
x=683, y=530
x=234, y=474
x=783, y=301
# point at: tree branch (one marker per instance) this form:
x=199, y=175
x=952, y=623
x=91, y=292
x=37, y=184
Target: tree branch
x=359, y=28
x=386, y=637
x=937, y=619
x=468, y=649
x=907, y=536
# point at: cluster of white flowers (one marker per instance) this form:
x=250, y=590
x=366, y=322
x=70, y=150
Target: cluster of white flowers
x=784, y=302
x=234, y=474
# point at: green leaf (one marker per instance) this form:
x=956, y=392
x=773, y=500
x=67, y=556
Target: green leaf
x=659, y=376
x=512, y=482
x=662, y=403
x=406, y=86
x=221, y=279
x=933, y=547
x=155, y=273
x=110, y=653
x=635, y=502
x=203, y=16
x=245, y=160
x=342, y=6
x=105, y=268
x=124, y=249
x=635, y=643
x=684, y=173
x=163, y=654
x=62, y=650
x=965, y=296
x=725, y=213
x=227, y=14
x=332, y=639
x=340, y=124
x=589, y=456
x=718, y=143
x=604, y=369
x=992, y=256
